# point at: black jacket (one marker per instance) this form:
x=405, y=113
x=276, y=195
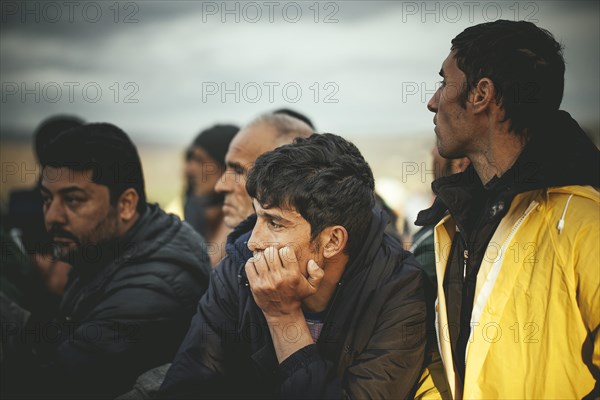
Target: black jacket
x=372, y=344
x=126, y=309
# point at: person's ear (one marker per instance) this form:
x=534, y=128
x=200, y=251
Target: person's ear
x=334, y=240
x=127, y=204
x=483, y=95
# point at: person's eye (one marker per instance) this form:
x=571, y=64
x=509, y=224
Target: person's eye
x=73, y=201
x=442, y=82
x=275, y=225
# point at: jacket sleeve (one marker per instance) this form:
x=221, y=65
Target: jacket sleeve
x=586, y=256
x=198, y=369
x=133, y=327
x=388, y=367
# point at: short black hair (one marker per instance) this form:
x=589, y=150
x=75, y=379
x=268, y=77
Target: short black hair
x=525, y=63
x=50, y=128
x=105, y=150
x=323, y=177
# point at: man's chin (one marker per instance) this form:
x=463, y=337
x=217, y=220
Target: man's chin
x=64, y=251
x=231, y=221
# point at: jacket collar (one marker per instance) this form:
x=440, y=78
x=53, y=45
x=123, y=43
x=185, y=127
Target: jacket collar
x=371, y=243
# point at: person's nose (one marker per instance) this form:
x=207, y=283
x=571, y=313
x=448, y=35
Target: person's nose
x=54, y=213
x=255, y=243
x=188, y=169
x=432, y=104
x=259, y=240
x=223, y=184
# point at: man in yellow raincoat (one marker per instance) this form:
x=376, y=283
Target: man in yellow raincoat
x=518, y=233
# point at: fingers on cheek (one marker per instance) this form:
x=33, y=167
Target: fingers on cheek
x=249, y=270
x=283, y=254
x=288, y=254
x=270, y=254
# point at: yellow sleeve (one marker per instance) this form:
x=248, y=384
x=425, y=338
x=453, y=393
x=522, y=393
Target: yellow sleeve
x=586, y=249
x=433, y=384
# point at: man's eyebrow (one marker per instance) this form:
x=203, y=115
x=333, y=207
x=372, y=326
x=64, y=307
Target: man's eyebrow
x=66, y=190
x=235, y=165
x=71, y=189
x=274, y=217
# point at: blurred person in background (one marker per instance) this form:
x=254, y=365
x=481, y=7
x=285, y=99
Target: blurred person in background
x=422, y=242
x=137, y=274
x=40, y=288
x=265, y=133
x=297, y=115
x=202, y=205
x=518, y=232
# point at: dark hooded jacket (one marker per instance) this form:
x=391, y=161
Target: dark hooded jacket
x=372, y=344
x=126, y=309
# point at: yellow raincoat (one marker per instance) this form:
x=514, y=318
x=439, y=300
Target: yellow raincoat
x=536, y=312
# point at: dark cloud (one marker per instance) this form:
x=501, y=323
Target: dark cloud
x=371, y=53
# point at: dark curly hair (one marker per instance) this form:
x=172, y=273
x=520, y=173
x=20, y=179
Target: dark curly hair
x=324, y=178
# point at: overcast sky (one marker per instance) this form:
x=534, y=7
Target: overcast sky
x=164, y=70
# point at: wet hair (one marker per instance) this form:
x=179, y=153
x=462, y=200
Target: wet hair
x=324, y=178
x=105, y=150
x=524, y=62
